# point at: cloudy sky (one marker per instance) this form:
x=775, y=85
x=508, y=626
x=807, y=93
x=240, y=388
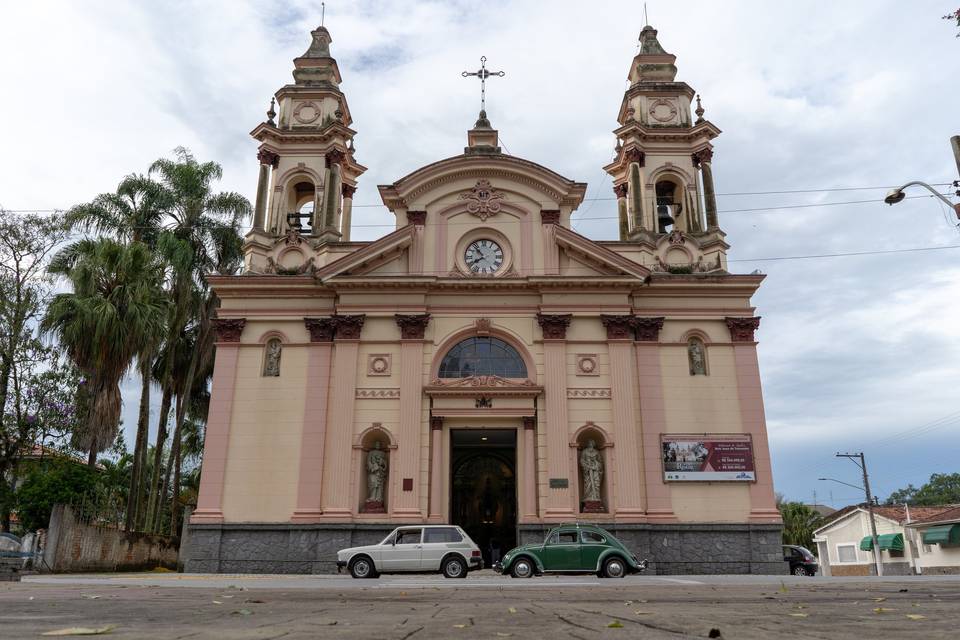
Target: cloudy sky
x=857, y=352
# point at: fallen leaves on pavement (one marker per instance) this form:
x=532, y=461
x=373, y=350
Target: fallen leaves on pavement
x=81, y=631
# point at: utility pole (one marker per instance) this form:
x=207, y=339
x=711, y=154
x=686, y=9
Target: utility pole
x=873, y=520
x=955, y=143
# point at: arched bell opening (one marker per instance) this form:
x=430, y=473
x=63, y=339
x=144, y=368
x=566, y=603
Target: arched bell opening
x=301, y=205
x=669, y=194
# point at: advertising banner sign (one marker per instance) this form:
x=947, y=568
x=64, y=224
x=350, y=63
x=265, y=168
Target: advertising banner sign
x=707, y=458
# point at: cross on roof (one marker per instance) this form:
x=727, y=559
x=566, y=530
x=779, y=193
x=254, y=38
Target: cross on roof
x=483, y=73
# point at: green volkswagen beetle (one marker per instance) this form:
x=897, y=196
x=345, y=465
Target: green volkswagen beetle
x=572, y=548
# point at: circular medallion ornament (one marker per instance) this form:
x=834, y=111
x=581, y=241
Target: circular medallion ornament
x=663, y=110
x=306, y=112
x=483, y=257
x=588, y=365
x=379, y=365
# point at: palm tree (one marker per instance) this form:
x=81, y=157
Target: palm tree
x=204, y=238
x=799, y=523
x=116, y=309
x=134, y=213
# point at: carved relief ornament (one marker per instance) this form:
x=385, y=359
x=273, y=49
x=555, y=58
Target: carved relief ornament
x=648, y=329
x=554, y=326
x=228, y=329
x=412, y=327
x=483, y=200
x=265, y=156
x=618, y=327
x=320, y=329
x=741, y=329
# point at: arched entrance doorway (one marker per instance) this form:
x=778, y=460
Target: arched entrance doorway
x=483, y=496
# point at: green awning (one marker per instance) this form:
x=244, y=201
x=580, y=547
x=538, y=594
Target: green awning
x=887, y=541
x=942, y=534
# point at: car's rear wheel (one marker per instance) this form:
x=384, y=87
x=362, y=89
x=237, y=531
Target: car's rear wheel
x=454, y=567
x=362, y=567
x=522, y=568
x=799, y=571
x=614, y=568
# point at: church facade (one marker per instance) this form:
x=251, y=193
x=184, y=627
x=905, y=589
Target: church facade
x=484, y=364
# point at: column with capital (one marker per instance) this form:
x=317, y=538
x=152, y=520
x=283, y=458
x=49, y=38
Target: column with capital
x=325, y=224
x=560, y=498
x=628, y=499
x=412, y=331
x=313, y=440
x=268, y=159
x=210, y=496
x=336, y=493
x=702, y=160
x=635, y=159
x=620, y=190
x=346, y=218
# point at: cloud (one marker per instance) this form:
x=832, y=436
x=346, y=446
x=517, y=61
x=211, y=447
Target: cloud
x=809, y=95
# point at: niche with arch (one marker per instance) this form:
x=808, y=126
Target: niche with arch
x=697, y=356
x=592, y=447
x=374, y=448
x=272, y=352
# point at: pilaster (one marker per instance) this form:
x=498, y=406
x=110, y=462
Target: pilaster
x=627, y=481
x=559, y=499
x=763, y=507
x=436, y=470
x=529, y=507
x=217, y=440
x=313, y=441
x=653, y=419
x=336, y=473
x=412, y=330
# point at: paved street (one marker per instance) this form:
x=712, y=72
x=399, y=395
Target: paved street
x=484, y=605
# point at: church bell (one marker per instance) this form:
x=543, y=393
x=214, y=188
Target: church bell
x=664, y=219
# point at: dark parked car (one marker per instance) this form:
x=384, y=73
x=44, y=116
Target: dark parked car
x=802, y=561
x=572, y=548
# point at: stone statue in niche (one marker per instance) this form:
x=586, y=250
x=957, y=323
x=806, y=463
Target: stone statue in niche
x=591, y=467
x=271, y=363
x=376, y=479
x=698, y=359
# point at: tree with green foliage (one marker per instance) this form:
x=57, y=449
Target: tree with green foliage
x=116, y=307
x=799, y=523
x=204, y=239
x=26, y=242
x=942, y=488
x=55, y=480
x=135, y=213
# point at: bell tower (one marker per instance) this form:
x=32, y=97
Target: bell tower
x=308, y=174
x=662, y=173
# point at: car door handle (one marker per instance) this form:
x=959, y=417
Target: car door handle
x=419, y=546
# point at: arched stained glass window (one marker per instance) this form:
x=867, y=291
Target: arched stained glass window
x=483, y=356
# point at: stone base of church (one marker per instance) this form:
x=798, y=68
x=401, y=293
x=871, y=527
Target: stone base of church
x=672, y=549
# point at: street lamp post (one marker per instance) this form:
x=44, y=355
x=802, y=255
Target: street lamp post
x=897, y=195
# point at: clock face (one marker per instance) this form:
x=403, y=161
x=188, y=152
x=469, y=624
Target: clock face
x=483, y=256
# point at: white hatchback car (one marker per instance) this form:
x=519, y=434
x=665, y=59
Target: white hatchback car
x=444, y=548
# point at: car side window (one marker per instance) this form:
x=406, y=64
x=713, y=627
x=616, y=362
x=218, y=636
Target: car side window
x=442, y=534
x=564, y=537
x=591, y=537
x=408, y=536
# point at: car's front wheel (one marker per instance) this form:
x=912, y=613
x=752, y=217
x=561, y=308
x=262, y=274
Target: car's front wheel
x=362, y=567
x=454, y=567
x=614, y=568
x=522, y=568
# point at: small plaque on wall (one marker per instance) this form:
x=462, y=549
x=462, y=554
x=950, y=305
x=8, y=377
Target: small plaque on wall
x=408, y=484
x=559, y=483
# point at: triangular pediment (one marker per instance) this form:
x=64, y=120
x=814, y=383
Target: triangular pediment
x=595, y=258
x=386, y=256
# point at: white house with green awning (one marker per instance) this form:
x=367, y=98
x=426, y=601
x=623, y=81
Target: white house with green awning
x=938, y=541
